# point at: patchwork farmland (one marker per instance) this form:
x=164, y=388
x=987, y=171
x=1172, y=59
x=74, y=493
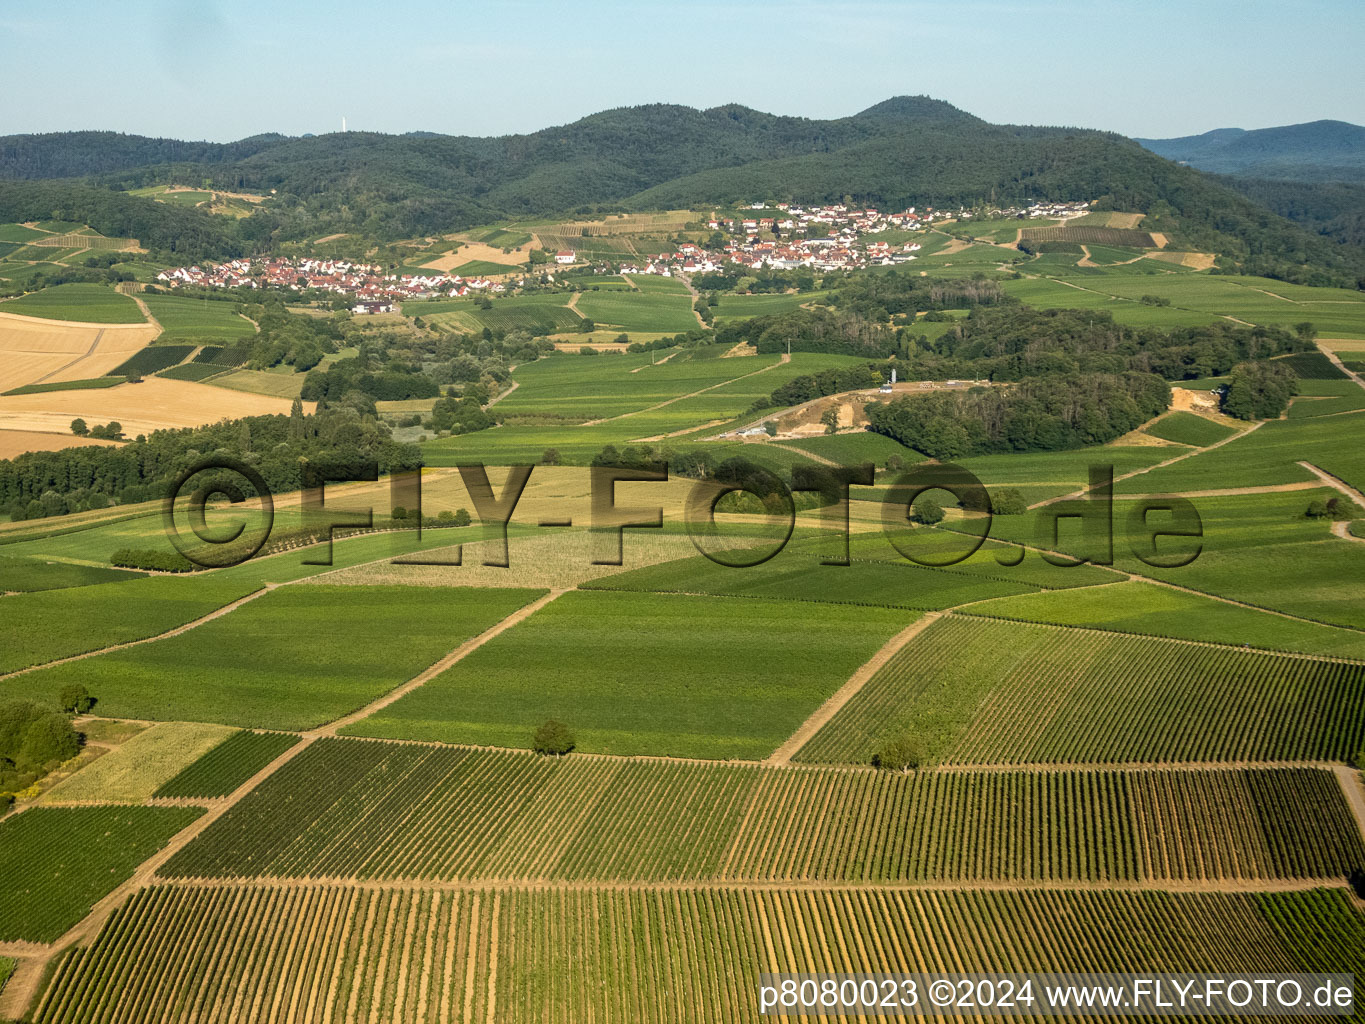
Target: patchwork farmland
x=386, y=776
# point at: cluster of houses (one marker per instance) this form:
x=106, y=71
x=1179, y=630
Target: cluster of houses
x=821, y=238
x=783, y=236
x=818, y=238
x=375, y=291
x=1051, y=210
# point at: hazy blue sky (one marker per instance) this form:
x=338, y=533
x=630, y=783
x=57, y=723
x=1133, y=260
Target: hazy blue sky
x=202, y=69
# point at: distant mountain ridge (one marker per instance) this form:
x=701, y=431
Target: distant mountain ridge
x=907, y=150
x=1314, y=151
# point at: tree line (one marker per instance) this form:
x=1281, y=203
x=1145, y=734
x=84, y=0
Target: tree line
x=40, y=484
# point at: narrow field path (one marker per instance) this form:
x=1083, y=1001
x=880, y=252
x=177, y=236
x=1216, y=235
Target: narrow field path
x=1232, y=492
x=1160, y=465
x=1343, y=530
x=459, y=654
x=142, y=305
x=502, y=394
x=84, y=355
x=1354, y=790
x=691, y=290
x=659, y=363
x=785, y=358
x=1336, y=483
x=845, y=693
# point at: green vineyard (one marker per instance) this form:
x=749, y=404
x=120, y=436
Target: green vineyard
x=357, y=809
x=58, y=862
x=977, y=691
x=228, y=765
x=1098, y=236
x=325, y=953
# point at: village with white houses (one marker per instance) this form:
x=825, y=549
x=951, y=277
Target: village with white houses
x=760, y=236
x=822, y=238
x=374, y=290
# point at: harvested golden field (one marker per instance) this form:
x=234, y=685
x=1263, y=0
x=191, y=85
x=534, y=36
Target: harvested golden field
x=35, y=351
x=1193, y=260
x=141, y=765
x=155, y=404
x=469, y=252
x=16, y=442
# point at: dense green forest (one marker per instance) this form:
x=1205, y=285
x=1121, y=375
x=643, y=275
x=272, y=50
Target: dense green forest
x=1334, y=209
x=1003, y=340
x=905, y=151
x=1045, y=413
x=182, y=232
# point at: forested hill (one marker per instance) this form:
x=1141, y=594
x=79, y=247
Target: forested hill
x=1316, y=151
x=76, y=154
x=907, y=150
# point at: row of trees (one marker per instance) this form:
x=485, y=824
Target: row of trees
x=278, y=447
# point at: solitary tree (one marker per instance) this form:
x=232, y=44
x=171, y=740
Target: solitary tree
x=552, y=738
x=1008, y=502
x=75, y=699
x=927, y=511
x=898, y=755
x=79, y=428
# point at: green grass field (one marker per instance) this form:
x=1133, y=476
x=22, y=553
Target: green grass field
x=1148, y=609
x=262, y=382
x=647, y=673
x=537, y=311
x=485, y=268
x=197, y=320
x=797, y=575
x=26, y=575
x=737, y=307
x=855, y=449
x=56, y=624
x=18, y=233
x=89, y=303
x=317, y=653
x=1187, y=428
x=650, y=309
x=90, y=384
